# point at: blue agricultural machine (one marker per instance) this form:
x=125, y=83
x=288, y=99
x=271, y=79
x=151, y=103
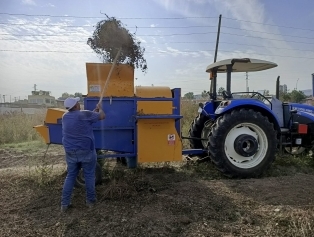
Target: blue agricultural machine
x=240, y=132
x=243, y=131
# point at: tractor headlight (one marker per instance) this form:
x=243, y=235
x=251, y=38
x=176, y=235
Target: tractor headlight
x=224, y=103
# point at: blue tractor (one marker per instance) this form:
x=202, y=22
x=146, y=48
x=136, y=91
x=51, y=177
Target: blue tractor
x=243, y=131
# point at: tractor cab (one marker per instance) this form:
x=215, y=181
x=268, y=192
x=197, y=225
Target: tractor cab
x=234, y=65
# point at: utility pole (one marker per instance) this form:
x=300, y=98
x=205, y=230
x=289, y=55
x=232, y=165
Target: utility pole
x=217, y=40
x=213, y=84
x=247, y=82
x=296, y=85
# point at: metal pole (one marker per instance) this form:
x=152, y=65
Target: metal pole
x=214, y=82
x=247, y=82
x=217, y=41
x=296, y=85
x=229, y=70
x=277, y=87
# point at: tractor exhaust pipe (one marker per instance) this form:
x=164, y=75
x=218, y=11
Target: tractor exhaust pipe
x=277, y=87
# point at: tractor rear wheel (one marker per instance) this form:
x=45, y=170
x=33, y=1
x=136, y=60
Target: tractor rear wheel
x=242, y=143
x=200, y=128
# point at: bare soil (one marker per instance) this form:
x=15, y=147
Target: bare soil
x=181, y=199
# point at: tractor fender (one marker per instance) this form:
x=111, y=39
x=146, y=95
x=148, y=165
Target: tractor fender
x=302, y=108
x=305, y=113
x=256, y=105
x=209, y=110
x=303, y=117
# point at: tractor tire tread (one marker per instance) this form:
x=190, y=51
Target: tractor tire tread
x=216, y=146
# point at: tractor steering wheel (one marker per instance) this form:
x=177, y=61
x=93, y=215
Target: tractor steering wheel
x=226, y=94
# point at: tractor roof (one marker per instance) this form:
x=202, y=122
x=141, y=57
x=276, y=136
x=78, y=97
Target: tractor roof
x=241, y=65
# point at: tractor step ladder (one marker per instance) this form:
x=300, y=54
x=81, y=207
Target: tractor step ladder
x=283, y=131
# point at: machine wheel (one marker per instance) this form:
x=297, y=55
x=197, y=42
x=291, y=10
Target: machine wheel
x=242, y=143
x=198, y=129
x=122, y=161
x=80, y=181
x=296, y=151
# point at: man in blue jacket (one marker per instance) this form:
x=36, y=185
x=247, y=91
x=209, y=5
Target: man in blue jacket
x=79, y=145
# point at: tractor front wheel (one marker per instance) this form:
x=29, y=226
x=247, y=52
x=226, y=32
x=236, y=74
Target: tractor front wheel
x=200, y=128
x=242, y=143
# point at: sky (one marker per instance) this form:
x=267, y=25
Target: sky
x=43, y=42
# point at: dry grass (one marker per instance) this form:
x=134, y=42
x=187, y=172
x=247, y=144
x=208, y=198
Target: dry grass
x=286, y=220
x=189, y=112
x=17, y=127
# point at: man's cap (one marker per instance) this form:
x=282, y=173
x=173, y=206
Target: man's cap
x=70, y=102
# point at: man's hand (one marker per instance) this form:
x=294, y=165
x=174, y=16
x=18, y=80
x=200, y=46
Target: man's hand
x=98, y=107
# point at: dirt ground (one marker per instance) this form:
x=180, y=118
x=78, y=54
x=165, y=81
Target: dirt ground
x=157, y=200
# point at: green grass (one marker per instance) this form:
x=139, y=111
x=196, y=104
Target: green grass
x=290, y=165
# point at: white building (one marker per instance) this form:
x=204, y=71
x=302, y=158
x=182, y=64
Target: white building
x=41, y=98
x=283, y=88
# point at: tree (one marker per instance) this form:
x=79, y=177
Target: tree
x=297, y=96
x=220, y=90
x=189, y=95
x=266, y=92
x=78, y=94
x=109, y=36
x=65, y=95
x=205, y=94
x=284, y=97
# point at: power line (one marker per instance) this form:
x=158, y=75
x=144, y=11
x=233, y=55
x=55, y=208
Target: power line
x=267, y=32
x=150, y=27
x=196, y=33
x=159, y=52
x=97, y=17
x=266, y=38
x=84, y=41
x=185, y=42
x=53, y=41
x=77, y=26
x=265, y=46
x=147, y=18
x=291, y=27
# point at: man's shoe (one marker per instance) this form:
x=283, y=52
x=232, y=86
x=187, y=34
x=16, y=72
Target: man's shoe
x=90, y=204
x=64, y=208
